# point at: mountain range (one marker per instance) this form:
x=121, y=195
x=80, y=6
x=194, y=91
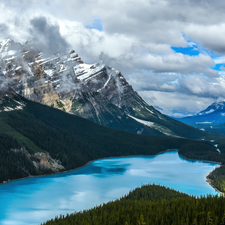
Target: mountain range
x=96, y=92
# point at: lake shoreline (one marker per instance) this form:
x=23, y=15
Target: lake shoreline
x=65, y=171
x=128, y=156
x=202, y=160
x=209, y=181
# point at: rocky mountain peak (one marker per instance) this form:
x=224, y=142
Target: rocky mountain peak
x=96, y=91
x=216, y=106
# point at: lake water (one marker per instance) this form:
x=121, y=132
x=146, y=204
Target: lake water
x=35, y=200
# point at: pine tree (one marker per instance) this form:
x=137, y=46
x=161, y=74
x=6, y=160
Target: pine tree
x=141, y=221
x=223, y=219
x=209, y=221
x=194, y=221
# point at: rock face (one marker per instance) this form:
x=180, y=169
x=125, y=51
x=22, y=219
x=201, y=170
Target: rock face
x=96, y=92
x=45, y=162
x=41, y=160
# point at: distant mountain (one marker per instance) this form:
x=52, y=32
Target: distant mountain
x=211, y=119
x=96, y=92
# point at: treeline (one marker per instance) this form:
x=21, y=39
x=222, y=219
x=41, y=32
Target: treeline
x=141, y=207
x=202, y=151
x=217, y=178
x=76, y=141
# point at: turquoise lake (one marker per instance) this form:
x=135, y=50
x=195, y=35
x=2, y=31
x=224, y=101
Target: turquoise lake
x=35, y=200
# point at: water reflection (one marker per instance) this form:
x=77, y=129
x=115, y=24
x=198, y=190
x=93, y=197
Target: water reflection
x=34, y=200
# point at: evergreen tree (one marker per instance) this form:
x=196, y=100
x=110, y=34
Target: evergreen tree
x=223, y=219
x=141, y=221
x=209, y=221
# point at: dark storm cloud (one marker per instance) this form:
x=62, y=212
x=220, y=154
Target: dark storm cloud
x=4, y=30
x=47, y=37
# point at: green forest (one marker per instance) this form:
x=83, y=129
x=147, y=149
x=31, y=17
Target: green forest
x=151, y=204
x=75, y=141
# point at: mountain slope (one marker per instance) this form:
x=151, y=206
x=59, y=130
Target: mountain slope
x=37, y=139
x=96, y=92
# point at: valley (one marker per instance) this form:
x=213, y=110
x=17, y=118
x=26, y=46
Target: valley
x=73, y=141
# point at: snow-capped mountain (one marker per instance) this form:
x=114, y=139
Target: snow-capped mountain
x=211, y=119
x=97, y=92
x=213, y=114
x=215, y=107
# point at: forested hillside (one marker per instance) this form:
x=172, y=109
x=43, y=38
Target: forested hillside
x=151, y=204
x=73, y=141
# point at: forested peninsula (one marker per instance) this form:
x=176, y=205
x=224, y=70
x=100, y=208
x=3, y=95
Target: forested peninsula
x=151, y=204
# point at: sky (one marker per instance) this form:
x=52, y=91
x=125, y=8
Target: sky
x=172, y=52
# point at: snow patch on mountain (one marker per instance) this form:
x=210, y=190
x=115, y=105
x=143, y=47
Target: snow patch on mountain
x=210, y=111
x=7, y=109
x=206, y=122
x=149, y=110
x=156, y=126
x=49, y=72
x=86, y=71
x=147, y=123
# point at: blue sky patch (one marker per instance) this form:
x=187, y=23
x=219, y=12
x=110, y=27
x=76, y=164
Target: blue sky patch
x=96, y=24
x=190, y=50
x=217, y=67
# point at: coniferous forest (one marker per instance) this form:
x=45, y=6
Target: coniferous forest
x=151, y=204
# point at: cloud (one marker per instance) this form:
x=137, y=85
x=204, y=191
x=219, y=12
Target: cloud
x=179, y=63
x=136, y=38
x=4, y=29
x=193, y=85
x=176, y=104
x=178, y=94
x=47, y=36
x=211, y=37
